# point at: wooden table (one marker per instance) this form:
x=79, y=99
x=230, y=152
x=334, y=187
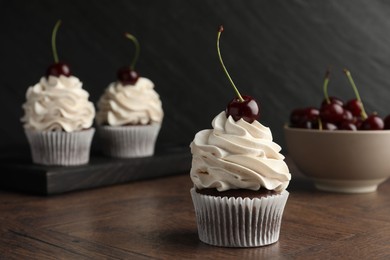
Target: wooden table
x=155, y=219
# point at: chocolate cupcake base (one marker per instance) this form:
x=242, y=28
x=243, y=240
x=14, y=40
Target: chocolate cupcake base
x=239, y=222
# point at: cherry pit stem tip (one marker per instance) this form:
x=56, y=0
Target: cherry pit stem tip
x=220, y=30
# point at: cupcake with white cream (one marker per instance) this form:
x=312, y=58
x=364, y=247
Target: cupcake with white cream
x=129, y=114
x=239, y=175
x=58, y=121
x=240, y=181
x=58, y=117
x=129, y=119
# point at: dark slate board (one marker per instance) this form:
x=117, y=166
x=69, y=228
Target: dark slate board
x=20, y=174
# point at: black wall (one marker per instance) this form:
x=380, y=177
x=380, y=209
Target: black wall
x=276, y=51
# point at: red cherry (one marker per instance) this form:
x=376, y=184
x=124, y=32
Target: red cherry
x=241, y=106
x=308, y=125
x=57, y=69
x=127, y=76
x=332, y=100
x=358, y=121
x=311, y=114
x=347, y=115
x=332, y=113
x=348, y=125
x=350, y=122
x=373, y=122
x=305, y=118
x=296, y=116
x=387, y=122
x=329, y=126
x=355, y=106
x=248, y=109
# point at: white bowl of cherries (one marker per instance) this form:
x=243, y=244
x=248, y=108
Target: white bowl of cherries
x=339, y=146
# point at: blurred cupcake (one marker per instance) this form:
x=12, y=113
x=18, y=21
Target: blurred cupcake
x=129, y=114
x=239, y=181
x=57, y=121
x=58, y=117
x=129, y=119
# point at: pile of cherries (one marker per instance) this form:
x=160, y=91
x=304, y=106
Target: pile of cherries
x=334, y=114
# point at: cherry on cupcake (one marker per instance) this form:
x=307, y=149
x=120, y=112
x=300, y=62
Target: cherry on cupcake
x=246, y=109
x=127, y=74
x=58, y=68
x=242, y=106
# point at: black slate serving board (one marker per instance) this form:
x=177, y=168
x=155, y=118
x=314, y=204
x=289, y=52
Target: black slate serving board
x=20, y=174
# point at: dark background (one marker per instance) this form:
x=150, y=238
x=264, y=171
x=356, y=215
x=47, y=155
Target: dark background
x=276, y=51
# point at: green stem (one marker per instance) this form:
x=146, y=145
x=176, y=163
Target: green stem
x=53, y=41
x=349, y=76
x=223, y=65
x=325, y=86
x=137, y=49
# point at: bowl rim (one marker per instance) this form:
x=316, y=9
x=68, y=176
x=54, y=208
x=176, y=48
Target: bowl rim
x=335, y=132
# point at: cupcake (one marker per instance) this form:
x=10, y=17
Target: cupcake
x=240, y=181
x=58, y=117
x=129, y=114
x=240, y=178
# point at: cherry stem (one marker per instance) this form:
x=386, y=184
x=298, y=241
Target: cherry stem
x=320, y=127
x=223, y=65
x=53, y=41
x=137, y=49
x=349, y=76
x=325, y=86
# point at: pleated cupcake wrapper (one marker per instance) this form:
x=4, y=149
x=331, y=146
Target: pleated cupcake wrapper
x=60, y=148
x=129, y=141
x=239, y=222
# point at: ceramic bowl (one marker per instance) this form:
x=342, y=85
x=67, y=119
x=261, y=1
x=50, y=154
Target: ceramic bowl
x=341, y=161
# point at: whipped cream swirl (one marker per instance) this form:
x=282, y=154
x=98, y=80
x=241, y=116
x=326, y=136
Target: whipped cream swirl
x=237, y=155
x=130, y=104
x=58, y=104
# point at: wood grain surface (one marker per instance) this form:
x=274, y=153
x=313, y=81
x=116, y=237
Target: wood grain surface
x=154, y=219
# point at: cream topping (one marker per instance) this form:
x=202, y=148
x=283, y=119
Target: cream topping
x=58, y=104
x=130, y=104
x=237, y=155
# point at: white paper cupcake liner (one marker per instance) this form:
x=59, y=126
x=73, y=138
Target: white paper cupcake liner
x=129, y=141
x=239, y=222
x=60, y=148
